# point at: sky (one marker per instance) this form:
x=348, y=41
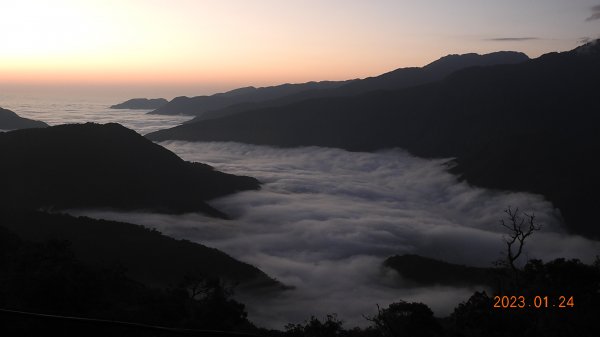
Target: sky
x=193, y=47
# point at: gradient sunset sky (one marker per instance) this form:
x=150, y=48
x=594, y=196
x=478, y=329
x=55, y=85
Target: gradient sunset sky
x=192, y=47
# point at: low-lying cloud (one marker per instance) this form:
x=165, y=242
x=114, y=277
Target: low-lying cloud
x=326, y=218
x=514, y=39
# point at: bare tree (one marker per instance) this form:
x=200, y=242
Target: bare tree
x=200, y=286
x=520, y=227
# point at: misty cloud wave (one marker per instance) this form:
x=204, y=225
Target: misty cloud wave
x=326, y=218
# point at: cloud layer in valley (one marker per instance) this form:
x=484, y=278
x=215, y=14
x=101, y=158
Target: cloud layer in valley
x=325, y=219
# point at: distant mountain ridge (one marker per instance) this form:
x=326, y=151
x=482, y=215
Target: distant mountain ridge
x=435, y=71
x=531, y=126
x=9, y=120
x=105, y=166
x=200, y=104
x=141, y=103
x=393, y=80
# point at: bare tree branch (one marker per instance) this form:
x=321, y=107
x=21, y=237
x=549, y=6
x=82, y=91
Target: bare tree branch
x=520, y=228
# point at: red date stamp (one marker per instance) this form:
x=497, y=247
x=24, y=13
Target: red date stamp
x=537, y=302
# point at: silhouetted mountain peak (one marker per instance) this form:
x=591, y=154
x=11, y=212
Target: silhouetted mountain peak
x=9, y=120
x=434, y=71
x=8, y=113
x=453, y=62
x=238, y=91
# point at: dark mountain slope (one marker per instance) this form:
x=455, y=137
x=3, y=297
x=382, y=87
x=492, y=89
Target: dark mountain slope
x=396, y=79
x=147, y=255
x=426, y=271
x=141, y=103
x=116, y=279
x=110, y=166
x=11, y=121
x=200, y=104
x=532, y=126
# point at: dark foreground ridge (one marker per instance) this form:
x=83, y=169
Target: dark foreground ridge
x=145, y=255
x=105, y=166
x=45, y=278
x=47, y=290
x=11, y=121
x=532, y=126
x=141, y=103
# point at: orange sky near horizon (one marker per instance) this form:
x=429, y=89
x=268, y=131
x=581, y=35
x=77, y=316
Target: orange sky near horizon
x=226, y=44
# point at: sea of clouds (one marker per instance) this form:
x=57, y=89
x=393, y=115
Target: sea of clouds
x=57, y=110
x=325, y=219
